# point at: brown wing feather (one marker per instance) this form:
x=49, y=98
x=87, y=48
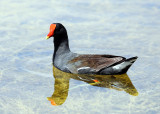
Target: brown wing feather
x=96, y=62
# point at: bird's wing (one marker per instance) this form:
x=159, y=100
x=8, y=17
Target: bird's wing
x=92, y=63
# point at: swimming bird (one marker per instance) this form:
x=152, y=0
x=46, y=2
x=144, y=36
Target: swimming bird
x=75, y=63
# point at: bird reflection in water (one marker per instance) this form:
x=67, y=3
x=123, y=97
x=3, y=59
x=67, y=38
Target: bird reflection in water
x=61, y=86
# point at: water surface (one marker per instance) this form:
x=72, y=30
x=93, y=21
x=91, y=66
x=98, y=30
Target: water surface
x=126, y=28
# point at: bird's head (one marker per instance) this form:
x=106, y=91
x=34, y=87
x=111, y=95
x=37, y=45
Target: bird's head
x=56, y=29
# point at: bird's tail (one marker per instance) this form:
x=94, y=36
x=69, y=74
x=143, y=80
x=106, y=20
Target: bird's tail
x=125, y=65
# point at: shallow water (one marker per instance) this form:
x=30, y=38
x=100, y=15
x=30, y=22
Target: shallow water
x=126, y=28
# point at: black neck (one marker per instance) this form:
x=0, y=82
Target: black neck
x=61, y=45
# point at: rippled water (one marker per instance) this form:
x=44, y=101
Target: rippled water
x=127, y=28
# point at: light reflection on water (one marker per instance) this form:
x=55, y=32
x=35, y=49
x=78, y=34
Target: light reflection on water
x=61, y=86
x=119, y=27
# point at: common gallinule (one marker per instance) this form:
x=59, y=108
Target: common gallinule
x=70, y=62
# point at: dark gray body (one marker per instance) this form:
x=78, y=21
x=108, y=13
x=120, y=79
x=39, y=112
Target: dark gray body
x=70, y=62
x=63, y=63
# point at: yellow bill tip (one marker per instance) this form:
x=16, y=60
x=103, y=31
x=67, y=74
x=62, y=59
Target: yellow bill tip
x=47, y=37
